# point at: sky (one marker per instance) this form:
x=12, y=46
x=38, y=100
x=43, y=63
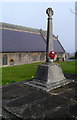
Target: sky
x=33, y=14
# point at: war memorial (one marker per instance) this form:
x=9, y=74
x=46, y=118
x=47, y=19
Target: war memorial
x=48, y=96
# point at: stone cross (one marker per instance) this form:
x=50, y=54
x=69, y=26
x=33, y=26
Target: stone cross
x=49, y=45
x=49, y=75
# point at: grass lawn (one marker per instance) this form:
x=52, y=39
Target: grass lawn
x=69, y=67
x=18, y=73
x=27, y=71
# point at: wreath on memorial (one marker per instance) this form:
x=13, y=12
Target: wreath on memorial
x=52, y=54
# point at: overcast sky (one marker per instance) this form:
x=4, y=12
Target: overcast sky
x=33, y=14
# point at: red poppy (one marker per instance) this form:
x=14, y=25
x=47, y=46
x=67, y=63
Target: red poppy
x=52, y=54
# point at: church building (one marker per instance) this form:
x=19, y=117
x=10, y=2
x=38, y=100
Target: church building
x=23, y=45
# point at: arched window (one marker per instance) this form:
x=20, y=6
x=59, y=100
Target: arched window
x=11, y=62
x=5, y=60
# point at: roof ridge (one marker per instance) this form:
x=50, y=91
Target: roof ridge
x=2, y=24
x=20, y=27
x=20, y=30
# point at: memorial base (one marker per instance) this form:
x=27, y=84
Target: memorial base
x=48, y=77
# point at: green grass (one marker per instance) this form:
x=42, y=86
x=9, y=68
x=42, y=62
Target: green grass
x=27, y=71
x=18, y=73
x=69, y=67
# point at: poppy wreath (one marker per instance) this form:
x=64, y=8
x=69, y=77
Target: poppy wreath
x=52, y=54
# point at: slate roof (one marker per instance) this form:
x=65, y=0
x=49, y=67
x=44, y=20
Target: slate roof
x=26, y=41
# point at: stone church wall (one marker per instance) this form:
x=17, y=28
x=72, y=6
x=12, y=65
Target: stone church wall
x=22, y=58
x=26, y=58
x=61, y=56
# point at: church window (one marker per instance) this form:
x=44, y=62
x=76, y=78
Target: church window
x=11, y=62
x=5, y=61
x=34, y=58
x=42, y=57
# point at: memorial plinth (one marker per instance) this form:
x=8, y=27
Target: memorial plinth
x=49, y=75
